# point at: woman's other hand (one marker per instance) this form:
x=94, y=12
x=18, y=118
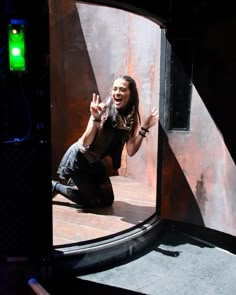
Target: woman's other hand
x=152, y=119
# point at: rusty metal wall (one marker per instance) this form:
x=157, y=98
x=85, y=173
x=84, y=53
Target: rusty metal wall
x=90, y=47
x=198, y=170
x=88, y=52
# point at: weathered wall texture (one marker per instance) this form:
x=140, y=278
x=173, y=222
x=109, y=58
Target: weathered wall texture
x=198, y=171
x=90, y=47
x=198, y=174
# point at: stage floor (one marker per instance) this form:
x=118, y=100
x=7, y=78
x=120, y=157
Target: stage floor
x=134, y=202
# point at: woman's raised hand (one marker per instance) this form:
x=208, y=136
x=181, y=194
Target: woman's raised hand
x=96, y=107
x=152, y=119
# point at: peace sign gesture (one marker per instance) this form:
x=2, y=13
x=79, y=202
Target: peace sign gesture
x=96, y=107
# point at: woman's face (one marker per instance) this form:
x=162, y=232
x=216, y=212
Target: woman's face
x=120, y=93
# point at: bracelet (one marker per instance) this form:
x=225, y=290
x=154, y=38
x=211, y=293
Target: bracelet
x=145, y=129
x=95, y=120
x=141, y=133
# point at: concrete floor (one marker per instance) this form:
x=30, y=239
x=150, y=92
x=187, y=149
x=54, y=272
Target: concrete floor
x=177, y=265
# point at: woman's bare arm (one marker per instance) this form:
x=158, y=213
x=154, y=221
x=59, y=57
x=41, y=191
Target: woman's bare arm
x=96, y=110
x=134, y=143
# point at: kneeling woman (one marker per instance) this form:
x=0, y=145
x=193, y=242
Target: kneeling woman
x=113, y=123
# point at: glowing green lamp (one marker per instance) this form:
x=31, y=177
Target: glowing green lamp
x=16, y=46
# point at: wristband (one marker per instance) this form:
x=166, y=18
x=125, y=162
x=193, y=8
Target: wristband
x=144, y=129
x=141, y=133
x=95, y=120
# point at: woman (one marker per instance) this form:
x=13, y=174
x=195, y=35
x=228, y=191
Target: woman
x=112, y=124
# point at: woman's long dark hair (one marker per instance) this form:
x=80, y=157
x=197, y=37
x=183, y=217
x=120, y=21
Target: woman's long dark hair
x=131, y=112
x=134, y=98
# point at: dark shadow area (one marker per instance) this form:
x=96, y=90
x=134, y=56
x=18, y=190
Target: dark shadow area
x=176, y=233
x=73, y=286
x=177, y=264
x=178, y=201
x=67, y=204
x=119, y=208
x=212, y=48
x=25, y=135
x=125, y=210
x=69, y=119
x=168, y=252
x=202, y=235
x=174, y=238
x=180, y=12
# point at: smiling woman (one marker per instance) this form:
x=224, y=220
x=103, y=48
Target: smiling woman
x=121, y=120
x=112, y=124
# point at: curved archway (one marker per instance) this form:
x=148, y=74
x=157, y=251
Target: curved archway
x=131, y=45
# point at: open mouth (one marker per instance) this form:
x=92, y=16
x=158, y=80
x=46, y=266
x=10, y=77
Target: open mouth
x=118, y=101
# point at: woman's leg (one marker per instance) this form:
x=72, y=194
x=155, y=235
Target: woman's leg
x=67, y=191
x=95, y=190
x=91, y=193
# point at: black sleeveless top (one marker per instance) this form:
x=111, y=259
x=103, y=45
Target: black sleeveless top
x=109, y=141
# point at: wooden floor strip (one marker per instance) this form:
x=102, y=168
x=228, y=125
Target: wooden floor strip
x=134, y=202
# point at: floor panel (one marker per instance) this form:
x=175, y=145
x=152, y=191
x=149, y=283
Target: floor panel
x=134, y=202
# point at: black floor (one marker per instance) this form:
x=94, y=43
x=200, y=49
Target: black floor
x=177, y=265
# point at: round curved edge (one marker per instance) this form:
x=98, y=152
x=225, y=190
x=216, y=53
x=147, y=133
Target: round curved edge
x=95, y=255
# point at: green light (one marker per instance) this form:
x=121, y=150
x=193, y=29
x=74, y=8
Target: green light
x=16, y=46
